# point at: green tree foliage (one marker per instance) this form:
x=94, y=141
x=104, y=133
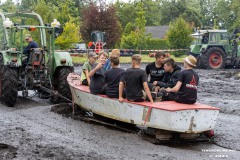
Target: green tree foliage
x=137, y=39
x=101, y=18
x=69, y=36
x=178, y=35
x=156, y=44
x=8, y=6
x=189, y=10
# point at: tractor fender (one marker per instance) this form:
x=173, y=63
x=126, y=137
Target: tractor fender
x=59, y=58
x=11, y=58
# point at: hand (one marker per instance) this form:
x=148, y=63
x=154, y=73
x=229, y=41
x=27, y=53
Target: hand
x=120, y=99
x=157, y=89
x=155, y=83
x=99, y=65
x=168, y=89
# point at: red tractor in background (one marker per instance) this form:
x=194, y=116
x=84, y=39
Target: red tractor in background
x=97, y=41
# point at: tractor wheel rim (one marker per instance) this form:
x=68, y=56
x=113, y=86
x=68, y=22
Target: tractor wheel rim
x=215, y=59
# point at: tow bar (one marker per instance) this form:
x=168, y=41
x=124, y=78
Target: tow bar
x=55, y=93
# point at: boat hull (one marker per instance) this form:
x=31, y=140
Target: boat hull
x=167, y=115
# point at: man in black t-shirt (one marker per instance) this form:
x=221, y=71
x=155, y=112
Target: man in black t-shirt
x=186, y=87
x=170, y=78
x=97, y=83
x=155, y=69
x=113, y=76
x=135, y=80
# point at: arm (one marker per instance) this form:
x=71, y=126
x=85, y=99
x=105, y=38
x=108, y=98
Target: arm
x=147, y=90
x=94, y=70
x=175, y=88
x=147, y=70
x=121, y=92
x=87, y=76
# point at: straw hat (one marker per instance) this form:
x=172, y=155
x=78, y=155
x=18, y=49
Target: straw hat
x=191, y=60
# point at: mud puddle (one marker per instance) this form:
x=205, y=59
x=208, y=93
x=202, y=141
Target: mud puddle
x=7, y=151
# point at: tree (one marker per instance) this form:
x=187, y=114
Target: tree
x=8, y=6
x=102, y=18
x=69, y=36
x=137, y=39
x=179, y=34
x=188, y=10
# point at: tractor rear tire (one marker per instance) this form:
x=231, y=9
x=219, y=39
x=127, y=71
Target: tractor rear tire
x=8, y=85
x=62, y=85
x=213, y=58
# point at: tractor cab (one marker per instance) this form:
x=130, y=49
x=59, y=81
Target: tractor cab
x=97, y=43
x=97, y=36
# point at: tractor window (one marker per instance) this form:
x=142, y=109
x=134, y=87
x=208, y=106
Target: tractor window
x=218, y=38
x=2, y=37
x=224, y=38
x=214, y=38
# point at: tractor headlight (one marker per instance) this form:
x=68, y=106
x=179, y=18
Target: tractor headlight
x=63, y=61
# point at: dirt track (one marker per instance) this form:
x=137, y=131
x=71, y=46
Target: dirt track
x=31, y=131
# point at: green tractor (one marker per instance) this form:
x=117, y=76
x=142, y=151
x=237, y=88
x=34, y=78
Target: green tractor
x=216, y=49
x=45, y=71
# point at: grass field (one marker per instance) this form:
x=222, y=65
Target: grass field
x=145, y=59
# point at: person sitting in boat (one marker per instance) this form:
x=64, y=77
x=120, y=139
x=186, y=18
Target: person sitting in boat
x=115, y=52
x=170, y=76
x=97, y=75
x=113, y=76
x=135, y=80
x=185, y=91
x=87, y=67
x=156, y=70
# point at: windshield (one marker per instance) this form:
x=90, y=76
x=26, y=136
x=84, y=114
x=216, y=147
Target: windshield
x=218, y=38
x=81, y=46
x=197, y=40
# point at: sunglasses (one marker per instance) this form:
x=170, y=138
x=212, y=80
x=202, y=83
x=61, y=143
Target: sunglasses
x=27, y=39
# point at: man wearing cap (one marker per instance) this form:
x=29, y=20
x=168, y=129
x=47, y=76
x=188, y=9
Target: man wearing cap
x=97, y=75
x=31, y=44
x=87, y=67
x=185, y=91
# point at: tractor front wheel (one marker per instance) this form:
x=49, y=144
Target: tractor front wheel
x=213, y=58
x=62, y=86
x=8, y=85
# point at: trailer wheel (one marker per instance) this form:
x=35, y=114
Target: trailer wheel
x=62, y=86
x=8, y=85
x=214, y=58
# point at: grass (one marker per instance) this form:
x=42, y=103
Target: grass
x=145, y=59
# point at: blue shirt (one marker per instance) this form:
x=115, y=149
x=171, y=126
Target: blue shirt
x=30, y=45
x=107, y=65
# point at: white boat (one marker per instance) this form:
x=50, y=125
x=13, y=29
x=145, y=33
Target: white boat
x=165, y=115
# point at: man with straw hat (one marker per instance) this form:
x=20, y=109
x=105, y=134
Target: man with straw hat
x=185, y=91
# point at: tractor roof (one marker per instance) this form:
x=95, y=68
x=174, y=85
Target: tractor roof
x=201, y=32
x=213, y=31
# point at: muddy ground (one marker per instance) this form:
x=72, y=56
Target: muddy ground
x=31, y=131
